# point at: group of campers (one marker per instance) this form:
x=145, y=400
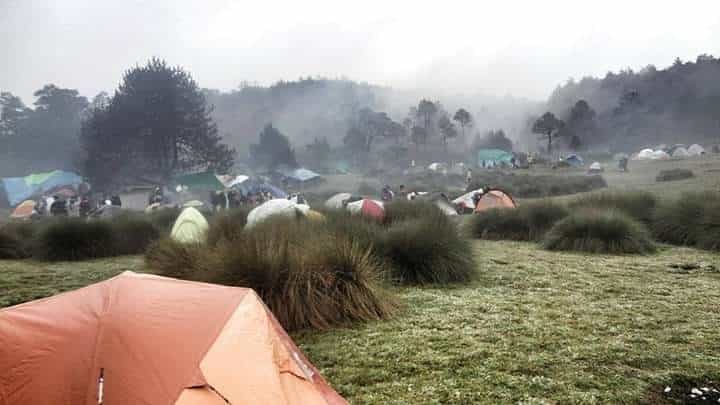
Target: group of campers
x=59, y=205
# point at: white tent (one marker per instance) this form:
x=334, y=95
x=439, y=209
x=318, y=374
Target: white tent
x=445, y=207
x=278, y=206
x=696, y=150
x=467, y=199
x=596, y=167
x=645, y=154
x=190, y=227
x=659, y=155
x=680, y=152
x=436, y=167
x=336, y=202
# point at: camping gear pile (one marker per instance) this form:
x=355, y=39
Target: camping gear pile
x=144, y=339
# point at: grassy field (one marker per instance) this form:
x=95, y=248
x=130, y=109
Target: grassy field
x=537, y=326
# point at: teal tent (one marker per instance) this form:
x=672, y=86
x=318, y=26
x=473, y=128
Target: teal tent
x=493, y=157
x=203, y=181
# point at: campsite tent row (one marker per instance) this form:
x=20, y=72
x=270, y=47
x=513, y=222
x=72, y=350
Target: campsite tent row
x=663, y=152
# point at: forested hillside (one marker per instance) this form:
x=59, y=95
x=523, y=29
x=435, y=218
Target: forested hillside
x=679, y=104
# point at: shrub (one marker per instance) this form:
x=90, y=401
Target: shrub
x=74, y=239
x=428, y=250
x=599, y=231
x=527, y=222
x=16, y=240
x=227, y=226
x=674, y=174
x=638, y=204
x=132, y=234
x=360, y=229
x=403, y=210
x=170, y=258
x=164, y=218
x=499, y=223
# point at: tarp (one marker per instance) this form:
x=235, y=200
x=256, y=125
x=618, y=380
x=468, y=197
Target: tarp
x=300, y=174
x=230, y=181
x=253, y=186
x=190, y=227
x=279, y=207
x=494, y=199
x=18, y=189
x=368, y=208
x=494, y=156
x=203, y=181
x=25, y=210
x=154, y=340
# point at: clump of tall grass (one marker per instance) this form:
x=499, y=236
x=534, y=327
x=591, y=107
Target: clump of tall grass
x=427, y=251
x=309, y=277
x=227, y=226
x=402, y=210
x=526, y=222
x=16, y=240
x=640, y=205
x=599, y=231
x=674, y=174
x=131, y=234
x=73, y=239
x=691, y=220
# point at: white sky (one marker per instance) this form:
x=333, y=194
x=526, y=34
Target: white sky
x=523, y=48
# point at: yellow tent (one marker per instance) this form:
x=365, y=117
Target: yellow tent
x=190, y=227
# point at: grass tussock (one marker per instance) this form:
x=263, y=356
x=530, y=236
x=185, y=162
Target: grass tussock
x=527, y=222
x=402, y=210
x=527, y=186
x=164, y=218
x=171, y=258
x=16, y=240
x=132, y=234
x=227, y=226
x=599, y=231
x=674, y=174
x=309, y=277
x=71, y=239
x=640, y=205
x=427, y=251
x=691, y=220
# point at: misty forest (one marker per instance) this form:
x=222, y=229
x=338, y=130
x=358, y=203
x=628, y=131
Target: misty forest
x=328, y=240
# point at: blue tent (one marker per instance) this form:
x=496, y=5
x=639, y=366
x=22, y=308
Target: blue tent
x=575, y=161
x=251, y=187
x=19, y=189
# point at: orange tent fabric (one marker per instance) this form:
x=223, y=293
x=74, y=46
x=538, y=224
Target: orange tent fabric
x=154, y=340
x=372, y=209
x=494, y=199
x=24, y=210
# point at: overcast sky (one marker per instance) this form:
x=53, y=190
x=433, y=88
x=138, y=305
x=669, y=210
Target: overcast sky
x=522, y=48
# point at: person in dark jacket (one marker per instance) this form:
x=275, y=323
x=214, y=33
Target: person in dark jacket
x=115, y=200
x=59, y=207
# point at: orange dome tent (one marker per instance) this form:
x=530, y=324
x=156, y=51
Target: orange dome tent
x=24, y=210
x=142, y=339
x=494, y=199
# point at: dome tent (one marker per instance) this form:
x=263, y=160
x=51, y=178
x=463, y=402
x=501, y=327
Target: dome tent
x=680, y=152
x=369, y=208
x=696, y=150
x=145, y=339
x=596, y=167
x=495, y=199
x=278, y=206
x=645, y=154
x=190, y=227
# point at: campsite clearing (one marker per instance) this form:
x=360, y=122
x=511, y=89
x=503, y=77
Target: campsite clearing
x=537, y=325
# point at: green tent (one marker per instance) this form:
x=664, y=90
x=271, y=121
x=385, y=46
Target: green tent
x=493, y=157
x=203, y=181
x=190, y=227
